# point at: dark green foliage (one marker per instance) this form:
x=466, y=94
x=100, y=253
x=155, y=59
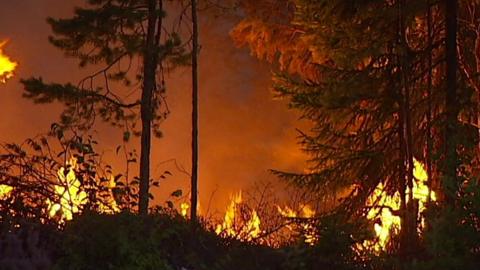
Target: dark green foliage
x=336, y=247
x=114, y=242
x=453, y=238
x=166, y=241
x=157, y=241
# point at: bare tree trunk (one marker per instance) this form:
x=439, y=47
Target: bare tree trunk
x=429, y=105
x=408, y=228
x=451, y=103
x=150, y=63
x=194, y=179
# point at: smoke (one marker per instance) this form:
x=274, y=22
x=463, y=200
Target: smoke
x=244, y=132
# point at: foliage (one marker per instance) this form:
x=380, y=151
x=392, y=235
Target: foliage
x=157, y=241
x=336, y=248
x=109, y=34
x=35, y=170
x=453, y=237
x=130, y=42
x=369, y=75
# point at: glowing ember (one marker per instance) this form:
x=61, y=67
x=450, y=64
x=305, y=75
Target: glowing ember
x=387, y=222
x=184, y=209
x=7, y=66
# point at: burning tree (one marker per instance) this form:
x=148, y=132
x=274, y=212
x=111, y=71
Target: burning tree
x=371, y=77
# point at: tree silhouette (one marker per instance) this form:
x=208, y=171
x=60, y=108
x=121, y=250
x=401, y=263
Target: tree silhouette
x=129, y=39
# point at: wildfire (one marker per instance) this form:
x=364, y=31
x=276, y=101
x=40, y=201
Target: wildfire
x=5, y=191
x=306, y=228
x=386, y=221
x=230, y=228
x=184, y=209
x=7, y=66
x=71, y=195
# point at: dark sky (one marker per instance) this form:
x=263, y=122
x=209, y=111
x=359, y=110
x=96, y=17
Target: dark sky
x=243, y=130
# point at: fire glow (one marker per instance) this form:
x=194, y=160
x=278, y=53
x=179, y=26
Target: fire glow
x=71, y=195
x=248, y=231
x=7, y=66
x=386, y=221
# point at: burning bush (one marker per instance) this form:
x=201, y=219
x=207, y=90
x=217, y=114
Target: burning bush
x=42, y=183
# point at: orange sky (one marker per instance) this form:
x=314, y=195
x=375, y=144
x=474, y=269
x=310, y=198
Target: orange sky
x=243, y=131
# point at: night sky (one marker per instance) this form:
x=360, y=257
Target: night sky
x=244, y=131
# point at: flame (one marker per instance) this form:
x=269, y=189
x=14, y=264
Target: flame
x=307, y=229
x=227, y=227
x=72, y=197
x=234, y=227
x=7, y=66
x=184, y=209
x=110, y=206
x=387, y=222
x=253, y=226
x=5, y=191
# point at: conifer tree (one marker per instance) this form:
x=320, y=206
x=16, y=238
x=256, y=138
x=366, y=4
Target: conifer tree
x=363, y=74
x=128, y=40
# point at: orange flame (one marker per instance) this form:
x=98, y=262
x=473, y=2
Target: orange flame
x=73, y=197
x=5, y=191
x=71, y=193
x=7, y=66
x=184, y=209
x=388, y=222
x=306, y=228
x=248, y=231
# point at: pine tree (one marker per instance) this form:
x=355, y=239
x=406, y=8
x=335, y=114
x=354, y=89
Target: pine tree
x=117, y=35
x=363, y=74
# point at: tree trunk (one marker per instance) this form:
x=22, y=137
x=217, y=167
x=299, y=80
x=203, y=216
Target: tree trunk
x=194, y=179
x=150, y=63
x=408, y=241
x=429, y=105
x=451, y=103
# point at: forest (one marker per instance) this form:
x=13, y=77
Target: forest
x=239, y=134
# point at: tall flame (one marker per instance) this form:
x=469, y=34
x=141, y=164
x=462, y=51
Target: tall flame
x=233, y=227
x=387, y=222
x=7, y=66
